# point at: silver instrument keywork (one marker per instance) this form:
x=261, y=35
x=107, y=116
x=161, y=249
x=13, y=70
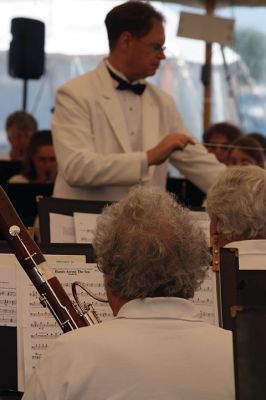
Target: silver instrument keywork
x=69, y=315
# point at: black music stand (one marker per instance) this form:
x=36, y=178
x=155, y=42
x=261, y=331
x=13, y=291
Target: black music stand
x=227, y=286
x=9, y=168
x=250, y=353
x=55, y=205
x=238, y=287
x=185, y=192
x=8, y=351
x=8, y=335
x=23, y=197
x=242, y=298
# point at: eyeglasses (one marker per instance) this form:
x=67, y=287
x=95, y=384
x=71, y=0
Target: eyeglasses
x=155, y=47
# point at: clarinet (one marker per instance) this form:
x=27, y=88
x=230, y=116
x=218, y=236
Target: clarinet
x=52, y=294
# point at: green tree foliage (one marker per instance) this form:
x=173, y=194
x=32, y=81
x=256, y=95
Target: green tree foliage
x=251, y=45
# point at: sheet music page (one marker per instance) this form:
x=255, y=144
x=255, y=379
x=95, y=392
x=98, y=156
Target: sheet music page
x=62, y=229
x=202, y=219
x=8, y=297
x=85, y=224
x=40, y=328
x=23, y=285
x=205, y=298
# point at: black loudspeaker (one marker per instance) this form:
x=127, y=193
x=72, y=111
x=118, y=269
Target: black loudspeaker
x=26, y=52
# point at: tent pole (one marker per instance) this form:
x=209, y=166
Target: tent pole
x=210, y=5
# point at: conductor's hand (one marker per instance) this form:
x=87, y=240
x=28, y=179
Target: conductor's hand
x=174, y=141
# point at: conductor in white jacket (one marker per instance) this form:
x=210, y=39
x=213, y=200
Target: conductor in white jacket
x=109, y=136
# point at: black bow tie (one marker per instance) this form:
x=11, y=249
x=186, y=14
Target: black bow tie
x=137, y=88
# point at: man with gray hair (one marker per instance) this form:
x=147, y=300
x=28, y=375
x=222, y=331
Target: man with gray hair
x=153, y=259
x=236, y=204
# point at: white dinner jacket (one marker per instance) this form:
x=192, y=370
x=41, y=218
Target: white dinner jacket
x=95, y=158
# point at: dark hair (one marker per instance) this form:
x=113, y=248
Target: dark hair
x=260, y=138
x=134, y=17
x=249, y=146
x=38, y=139
x=22, y=120
x=230, y=131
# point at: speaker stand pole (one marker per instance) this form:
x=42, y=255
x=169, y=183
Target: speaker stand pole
x=25, y=89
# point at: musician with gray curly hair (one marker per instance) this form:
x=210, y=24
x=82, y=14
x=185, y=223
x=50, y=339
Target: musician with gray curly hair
x=136, y=244
x=236, y=204
x=153, y=258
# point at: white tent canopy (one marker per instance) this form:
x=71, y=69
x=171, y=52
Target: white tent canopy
x=65, y=36
x=219, y=3
x=75, y=39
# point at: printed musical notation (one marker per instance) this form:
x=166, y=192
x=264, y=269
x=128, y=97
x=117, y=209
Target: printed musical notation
x=202, y=219
x=77, y=228
x=205, y=299
x=85, y=224
x=6, y=302
x=40, y=328
x=62, y=229
x=39, y=346
x=8, y=298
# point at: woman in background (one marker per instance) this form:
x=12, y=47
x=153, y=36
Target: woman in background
x=218, y=136
x=262, y=141
x=246, y=151
x=40, y=164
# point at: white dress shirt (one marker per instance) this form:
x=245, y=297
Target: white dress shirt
x=155, y=349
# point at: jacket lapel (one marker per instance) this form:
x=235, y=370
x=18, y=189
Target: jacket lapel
x=110, y=104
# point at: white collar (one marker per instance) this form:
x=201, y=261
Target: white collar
x=159, y=307
x=120, y=74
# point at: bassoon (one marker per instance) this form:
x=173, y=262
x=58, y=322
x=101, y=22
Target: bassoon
x=52, y=294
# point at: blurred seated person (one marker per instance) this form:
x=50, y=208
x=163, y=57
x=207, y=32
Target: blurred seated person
x=262, y=140
x=236, y=204
x=218, y=136
x=40, y=164
x=20, y=126
x=246, y=151
x=156, y=346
